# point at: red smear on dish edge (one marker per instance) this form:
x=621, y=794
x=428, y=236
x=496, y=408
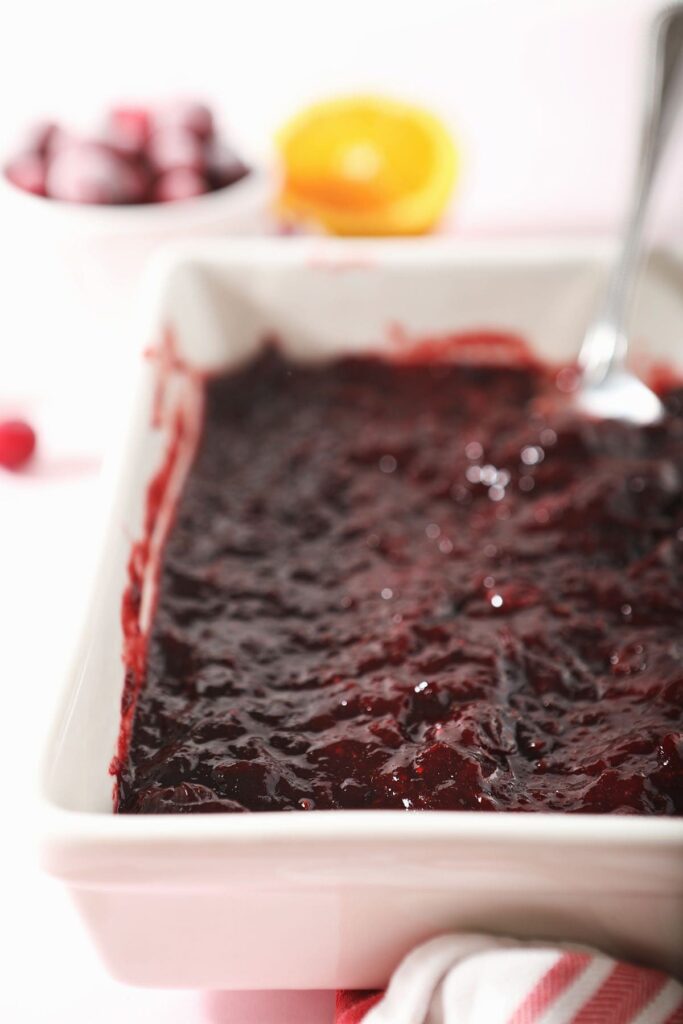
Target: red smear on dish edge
x=183, y=424
x=485, y=347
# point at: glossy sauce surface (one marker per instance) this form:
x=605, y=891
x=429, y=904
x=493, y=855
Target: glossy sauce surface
x=412, y=585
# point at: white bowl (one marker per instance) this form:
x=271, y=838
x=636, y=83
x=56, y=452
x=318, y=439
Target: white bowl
x=335, y=898
x=87, y=259
x=229, y=210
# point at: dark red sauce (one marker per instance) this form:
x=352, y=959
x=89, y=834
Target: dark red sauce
x=416, y=585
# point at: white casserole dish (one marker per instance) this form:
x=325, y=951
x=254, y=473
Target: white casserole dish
x=333, y=899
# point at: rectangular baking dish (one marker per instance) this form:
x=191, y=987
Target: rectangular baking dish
x=334, y=898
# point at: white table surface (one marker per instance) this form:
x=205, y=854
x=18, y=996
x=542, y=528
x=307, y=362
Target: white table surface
x=542, y=108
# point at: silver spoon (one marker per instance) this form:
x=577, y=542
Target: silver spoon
x=608, y=389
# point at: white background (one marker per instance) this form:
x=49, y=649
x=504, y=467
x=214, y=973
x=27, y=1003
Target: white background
x=541, y=96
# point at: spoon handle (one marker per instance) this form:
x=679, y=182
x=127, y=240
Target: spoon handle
x=607, y=341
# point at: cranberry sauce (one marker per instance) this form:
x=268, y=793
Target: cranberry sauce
x=416, y=586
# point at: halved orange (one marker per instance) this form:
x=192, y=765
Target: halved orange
x=367, y=166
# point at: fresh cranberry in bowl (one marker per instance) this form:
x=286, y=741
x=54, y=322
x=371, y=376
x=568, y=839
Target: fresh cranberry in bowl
x=128, y=129
x=223, y=166
x=179, y=183
x=91, y=173
x=171, y=148
x=188, y=116
x=27, y=172
x=40, y=137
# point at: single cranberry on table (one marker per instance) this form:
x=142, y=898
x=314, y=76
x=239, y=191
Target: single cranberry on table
x=17, y=443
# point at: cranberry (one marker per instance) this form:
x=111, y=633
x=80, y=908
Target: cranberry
x=91, y=173
x=17, y=443
x=61, y=138
x=27, y=172
x=171, y=148
x=181, y=183
x=40, y=137
x=223, y=166
x=187, y=116
x=128, y=129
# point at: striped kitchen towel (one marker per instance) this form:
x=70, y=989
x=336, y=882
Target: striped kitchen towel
x=477, y=979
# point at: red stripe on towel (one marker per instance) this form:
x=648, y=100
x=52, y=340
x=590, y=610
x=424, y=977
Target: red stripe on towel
x=352, y=1006
x=623, y=994
x=550, y=987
